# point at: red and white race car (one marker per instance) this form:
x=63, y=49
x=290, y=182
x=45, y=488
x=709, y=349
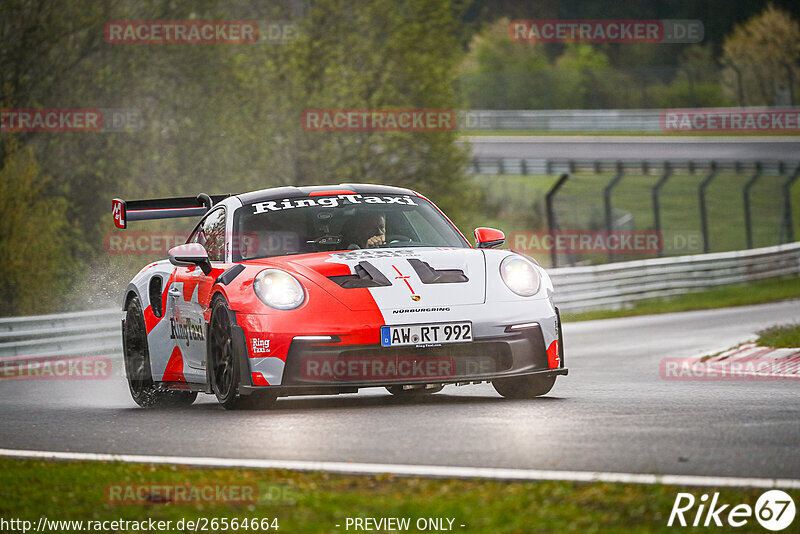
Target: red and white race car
x=325, y=290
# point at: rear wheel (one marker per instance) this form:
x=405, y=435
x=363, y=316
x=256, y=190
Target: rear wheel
x=524, y=387
x=415, y=391
x=223, y=364
x=144, y=391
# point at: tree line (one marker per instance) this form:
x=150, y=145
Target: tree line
x=225, y=118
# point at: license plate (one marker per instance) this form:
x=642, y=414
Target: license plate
x=424, y=334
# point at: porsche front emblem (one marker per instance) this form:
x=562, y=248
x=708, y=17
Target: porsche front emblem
x=415, y=298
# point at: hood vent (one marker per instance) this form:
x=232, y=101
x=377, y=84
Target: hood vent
x=366, y=276
x=429, y=275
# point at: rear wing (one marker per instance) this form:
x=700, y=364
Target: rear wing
x=161, y=208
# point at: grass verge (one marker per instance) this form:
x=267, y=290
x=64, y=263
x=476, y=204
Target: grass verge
x=735, y=295
x=319, y=501
x=780, y=336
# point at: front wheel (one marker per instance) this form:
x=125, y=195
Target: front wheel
x=524, y=387
x=144, y=391
x=224, y=367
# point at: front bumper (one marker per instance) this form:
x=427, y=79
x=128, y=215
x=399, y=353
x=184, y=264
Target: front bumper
x=313, y=367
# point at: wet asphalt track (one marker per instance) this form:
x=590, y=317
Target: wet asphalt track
x=612, y=413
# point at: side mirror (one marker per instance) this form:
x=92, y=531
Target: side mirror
x=489, y=238
x=190, y=254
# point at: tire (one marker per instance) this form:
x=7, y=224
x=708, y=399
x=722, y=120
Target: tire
x=223, y=364
x=524, y=387
x=398, y=391
x=144, y=391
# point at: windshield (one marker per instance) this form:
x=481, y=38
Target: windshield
x=339, y=222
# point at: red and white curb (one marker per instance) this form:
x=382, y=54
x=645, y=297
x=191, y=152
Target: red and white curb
x=745, y=362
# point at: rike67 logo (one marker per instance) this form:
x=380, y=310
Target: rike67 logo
x=774, y=510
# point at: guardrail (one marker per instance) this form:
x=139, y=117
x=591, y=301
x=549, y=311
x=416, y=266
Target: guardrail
x=614, y=285
x=86, y=333
x=573, y=120
x=577, y=289
x=584, y=120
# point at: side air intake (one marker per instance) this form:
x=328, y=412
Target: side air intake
x=429, y=275
x=366, y=275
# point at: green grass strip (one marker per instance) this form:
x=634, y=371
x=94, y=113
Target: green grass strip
x=772, y=290
x=316, y=502
x=780, y=336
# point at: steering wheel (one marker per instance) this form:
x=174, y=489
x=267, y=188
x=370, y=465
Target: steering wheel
x=397, y=238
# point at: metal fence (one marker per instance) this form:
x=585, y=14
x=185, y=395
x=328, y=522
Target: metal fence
x=788, y=171
x=547, y=166
x=577, y=288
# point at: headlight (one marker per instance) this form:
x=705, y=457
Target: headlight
x=278, y=289
x=520, y=276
